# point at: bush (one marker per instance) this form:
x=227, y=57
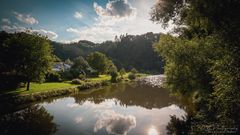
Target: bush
x=132, y=76
x=77, y=81
x=82, y=77
x=53, y=77
x=122, y=72
x=66, y=75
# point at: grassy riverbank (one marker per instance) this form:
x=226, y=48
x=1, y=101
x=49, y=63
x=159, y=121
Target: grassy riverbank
x=53, y=86
x=38, y=92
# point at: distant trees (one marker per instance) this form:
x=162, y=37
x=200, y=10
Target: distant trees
x=134, y=51
x=127, y=51
x=27, y=57
x=96, y=63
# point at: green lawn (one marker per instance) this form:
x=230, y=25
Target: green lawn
x=35, y=87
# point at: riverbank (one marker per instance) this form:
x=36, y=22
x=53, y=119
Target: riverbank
x=21, y=96
x=153, y=80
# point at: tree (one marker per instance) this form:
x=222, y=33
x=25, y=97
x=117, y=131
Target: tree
x=80, y=67
x=99, y=62
x=201, y=20
x=31, y=56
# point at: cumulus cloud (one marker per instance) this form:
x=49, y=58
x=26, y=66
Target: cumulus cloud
x=112, y=21
x=6, y=21
x=78, y=15
x=28, y=19
x=16, y=28
x=116, y=8
x=115, y=123
x=95, y=33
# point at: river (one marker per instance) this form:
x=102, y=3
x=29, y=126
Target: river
x=121, y=109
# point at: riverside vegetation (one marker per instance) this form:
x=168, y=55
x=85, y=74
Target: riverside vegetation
x=27, y=74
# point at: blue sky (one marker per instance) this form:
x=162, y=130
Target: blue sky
x=73, y=20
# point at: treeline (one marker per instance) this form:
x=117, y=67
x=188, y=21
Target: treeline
x=127, y=51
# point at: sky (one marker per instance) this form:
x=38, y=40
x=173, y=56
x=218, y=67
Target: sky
x=74, y=20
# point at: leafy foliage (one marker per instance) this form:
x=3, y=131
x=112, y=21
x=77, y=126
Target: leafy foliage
x=205, y=55
x=99, y=62
x=28, y=56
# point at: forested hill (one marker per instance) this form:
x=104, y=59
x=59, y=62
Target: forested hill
x=127, y=51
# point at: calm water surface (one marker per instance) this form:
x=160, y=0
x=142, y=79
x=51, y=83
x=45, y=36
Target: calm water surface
x=121, y=109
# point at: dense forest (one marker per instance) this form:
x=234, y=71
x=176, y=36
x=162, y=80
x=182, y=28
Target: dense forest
x=127, y=51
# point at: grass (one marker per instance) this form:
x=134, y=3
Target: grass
x=100, y=78
x=35, y=87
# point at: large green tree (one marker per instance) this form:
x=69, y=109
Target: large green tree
x=209, y=23
x=29, y=56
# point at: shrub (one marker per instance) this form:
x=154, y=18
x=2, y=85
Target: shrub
x=122, y=72
x=77, y=81
x=132, y=76
x=114, y=76
x=82, y=77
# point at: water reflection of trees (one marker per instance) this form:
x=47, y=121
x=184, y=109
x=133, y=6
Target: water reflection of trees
x=34, y=120
x=129, y=95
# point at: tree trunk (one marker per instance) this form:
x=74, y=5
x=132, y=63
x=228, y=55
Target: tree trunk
x=28, y=85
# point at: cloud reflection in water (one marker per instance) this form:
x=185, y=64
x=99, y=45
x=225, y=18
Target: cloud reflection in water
x=115, y=123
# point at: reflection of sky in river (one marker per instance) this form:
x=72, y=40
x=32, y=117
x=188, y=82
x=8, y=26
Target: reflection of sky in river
x=109, y=117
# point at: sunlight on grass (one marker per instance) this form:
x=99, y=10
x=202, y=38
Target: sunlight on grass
x=35, y=87
x=100, y=78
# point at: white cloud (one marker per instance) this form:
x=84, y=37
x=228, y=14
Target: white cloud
x=28, y=19
x=78, y=15
x=16, y=28
x=49, y=34
x=115, y=123
x=111, y=21
x=73, y=30
x=6, y=21
x=116, y=8
x=13, y=28
x=95, y=34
